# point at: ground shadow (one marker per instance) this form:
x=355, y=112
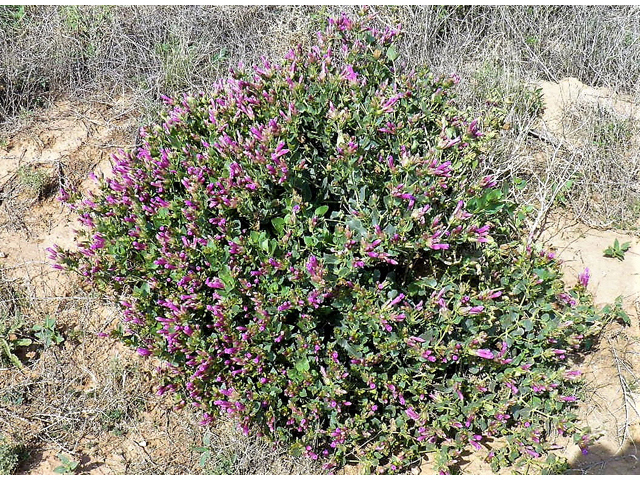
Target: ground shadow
x=603, y=461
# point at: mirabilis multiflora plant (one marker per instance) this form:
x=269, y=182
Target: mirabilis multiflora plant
x=309, y=251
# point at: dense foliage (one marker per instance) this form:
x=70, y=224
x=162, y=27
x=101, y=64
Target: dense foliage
x=311, y=251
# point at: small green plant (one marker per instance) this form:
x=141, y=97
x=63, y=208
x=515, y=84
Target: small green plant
x=521, y=103
x=111, y=421
x=532, y=40
x=11, y=15
x=222, y=463
x=610, y=129
x=35, y=180
x=68, y=466
x=616, y=250
x=47, y=334
x=73, y=19
x=12, y=336
x=204, y=450
x=10, y=456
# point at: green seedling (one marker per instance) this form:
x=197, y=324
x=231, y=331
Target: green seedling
x=616, y=250
x=47, y=334
x=68, y=466
x=11, y=338
x=204, y=450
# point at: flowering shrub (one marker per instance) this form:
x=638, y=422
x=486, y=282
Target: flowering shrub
x=310, y=251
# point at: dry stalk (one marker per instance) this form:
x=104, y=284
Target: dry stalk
x=628, y=399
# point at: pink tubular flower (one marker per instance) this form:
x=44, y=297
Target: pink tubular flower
x=63, y=196
x=217, y=283
x=412, y=414
x=584, y=277
x=488, y=182
x=475, y=444
x=485, y=353
x=312, y=264
x=349, y=74
x=397, y=300
x=473, y=129
x=387, y=106
x=569, y=398
x=143, y=352
x=532, y=453
x=280, y=151
x=472, y=310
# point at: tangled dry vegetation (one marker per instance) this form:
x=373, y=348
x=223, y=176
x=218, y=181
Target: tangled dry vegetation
x=91, y=75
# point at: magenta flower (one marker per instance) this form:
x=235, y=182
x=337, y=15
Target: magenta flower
x=472, y=310
x=143, y=352
x=412, y=414
x=584, y=277
x=387, y=106
x=397, y=300
x=532, y=453
x=285, y=306
x=475, y=444
x=567, y=299
x=349, y=74
x=217, y=283
x=280, y=151
x=569, y=398
x=63, y=195
x=485, y=353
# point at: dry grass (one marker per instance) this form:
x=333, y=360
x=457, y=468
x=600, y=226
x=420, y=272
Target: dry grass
x=101, y=53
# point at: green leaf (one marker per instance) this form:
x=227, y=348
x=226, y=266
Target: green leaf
x=392, y=53
x=204, y=458
x=303, y=365
x=320, y=211
x=12, y=358
x=143, y=291
x=350, y=350
x=330, y=259
x=278, y=224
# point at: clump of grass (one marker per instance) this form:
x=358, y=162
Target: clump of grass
x=604, y=159
x=224, y=452
x=33, y=179
x=611, y=130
